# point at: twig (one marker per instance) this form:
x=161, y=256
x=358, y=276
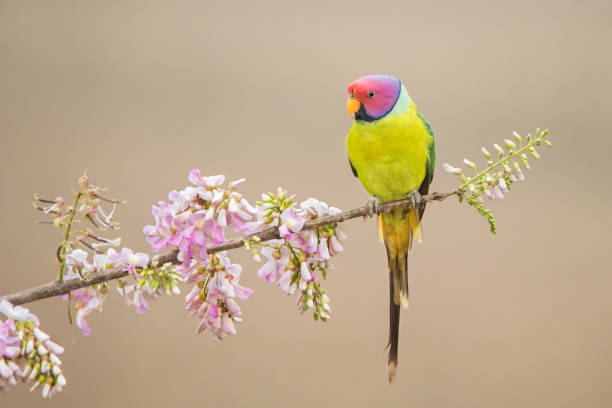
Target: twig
x=56, y=288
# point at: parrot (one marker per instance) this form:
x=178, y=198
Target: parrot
x=391, y=151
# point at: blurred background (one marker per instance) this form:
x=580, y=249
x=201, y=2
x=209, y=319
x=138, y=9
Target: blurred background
x=139, y=92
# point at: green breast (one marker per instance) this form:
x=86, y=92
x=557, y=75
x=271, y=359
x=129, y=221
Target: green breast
x=390, y=154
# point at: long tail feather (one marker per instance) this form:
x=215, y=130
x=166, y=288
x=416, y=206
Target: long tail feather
x=394, y=320
x=398, y=228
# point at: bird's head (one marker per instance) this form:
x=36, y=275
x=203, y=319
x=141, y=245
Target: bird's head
x=373, y=97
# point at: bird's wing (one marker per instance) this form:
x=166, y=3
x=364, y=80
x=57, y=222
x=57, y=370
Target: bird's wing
x=430, y=166
x=353, y=169
x=431, y=159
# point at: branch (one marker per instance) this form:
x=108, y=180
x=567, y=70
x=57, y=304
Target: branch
x=56, y=288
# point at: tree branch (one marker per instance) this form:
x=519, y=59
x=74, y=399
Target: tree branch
x=56, y=288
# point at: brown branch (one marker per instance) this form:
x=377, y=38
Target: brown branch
x=56, y=288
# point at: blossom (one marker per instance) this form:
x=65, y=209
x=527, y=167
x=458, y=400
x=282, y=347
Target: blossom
x=89, y=298
x=450, y=169
x=291, y=221
x=317, y=209
x=127, y=258
x=86, y=301
x=16, y=312
x=20, y=358
x=294, y=261
x=277, y=257
x=495, y=180
x=213, y=297
x=335, y=247
x=197, y=216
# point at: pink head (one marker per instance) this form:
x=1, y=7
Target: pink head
x=372, y=97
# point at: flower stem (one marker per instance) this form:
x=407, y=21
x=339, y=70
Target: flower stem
x=67, y=237
x=534, y=141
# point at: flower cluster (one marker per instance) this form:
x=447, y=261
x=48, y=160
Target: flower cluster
x=195, y=219
x=88, y=203
x=496, y=179
x=213, y=297
x=149, y=281
x=27, y=352
x=81, y=245
x=301, y=257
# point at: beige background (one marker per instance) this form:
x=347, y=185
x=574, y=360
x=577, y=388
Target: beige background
x=138, y=93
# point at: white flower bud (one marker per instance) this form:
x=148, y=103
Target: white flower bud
x=450, y=169
x=510, y=145
x=54, y=347
x=45, y=390
x=5, y=370
x=498, y=193
x=61, y=380
x=26, y=371
x=303, y=284
x=34, y=372
x=55, y=359
x=35, y=386
x=470, y=164
x=503, y=185
x=29, y=346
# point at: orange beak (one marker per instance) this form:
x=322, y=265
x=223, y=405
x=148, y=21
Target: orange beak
x=352, y=105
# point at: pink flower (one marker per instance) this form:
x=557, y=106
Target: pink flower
x=196, y=178
x=86, y=303
x=239, y=212
x=334, y=245
x=323, y=250
x=4, y=332
x=317, y=208
x=158, y=235
x=277, y=260
x=27, y=352
x=219, y=309
x=290, y=221
x=140, y=302
x=17, y=312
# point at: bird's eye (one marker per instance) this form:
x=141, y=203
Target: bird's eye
x=371, y=94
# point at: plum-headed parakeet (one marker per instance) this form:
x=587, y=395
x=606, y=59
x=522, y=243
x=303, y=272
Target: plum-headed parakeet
x=391, y=150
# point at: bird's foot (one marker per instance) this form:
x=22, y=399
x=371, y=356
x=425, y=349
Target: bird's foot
x=415, y=199
x=374, y=206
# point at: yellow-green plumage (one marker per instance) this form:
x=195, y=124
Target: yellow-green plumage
x=390, y=154
x=393, y=156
